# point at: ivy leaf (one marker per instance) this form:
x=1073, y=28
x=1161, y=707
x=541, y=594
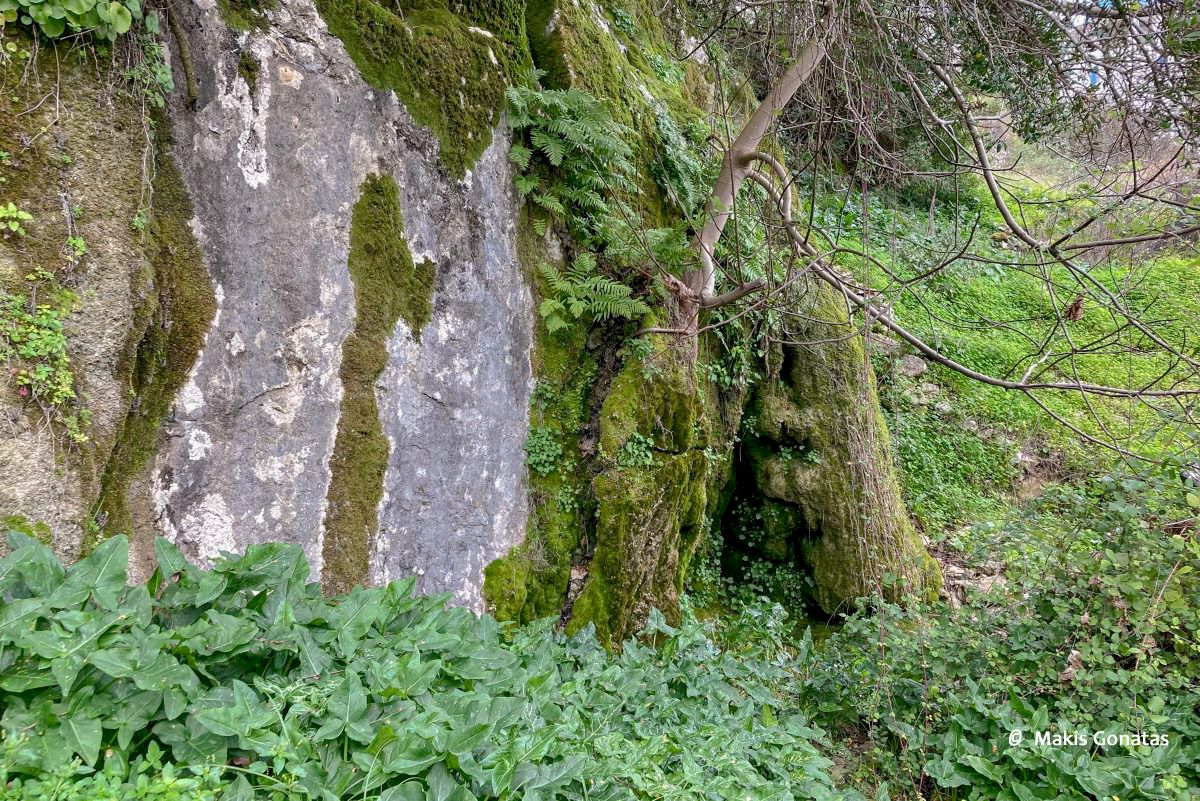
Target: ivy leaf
x=82, y=735
x=100, y=576
x=66, y=669
x=416, y=676
x=119, y=17
x=353, y=618
x=408, y=791
x=236, y=711
x=345, y=707
x=133, y=714
x=444, y=787
x=239, y=790
x=32, y=564
x=171, y=560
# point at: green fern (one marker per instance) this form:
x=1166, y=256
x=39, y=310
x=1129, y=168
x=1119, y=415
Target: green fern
x=573, y=160
x=581, y=291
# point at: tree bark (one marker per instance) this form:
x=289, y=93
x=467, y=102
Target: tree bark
x=739, y=158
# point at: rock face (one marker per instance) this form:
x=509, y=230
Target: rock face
x=74, y=167
x=282, y=137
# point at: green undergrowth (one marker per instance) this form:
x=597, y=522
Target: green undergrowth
x=1080, y=620
x=449, y=66
x=167, y=335
x=388, y=287
x=967, y=449
x=103, y=19
x=248, y=678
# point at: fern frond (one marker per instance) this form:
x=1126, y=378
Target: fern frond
x=519, y=154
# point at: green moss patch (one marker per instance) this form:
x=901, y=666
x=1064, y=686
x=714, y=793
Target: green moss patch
x=448, y=69
x=172, y=326
x=248, y=68
x=388, y=287
x=246, y=15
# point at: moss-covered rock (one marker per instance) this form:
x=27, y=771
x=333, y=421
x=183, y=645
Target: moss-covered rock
x=820, y=446
x=648, y=517
x=165, y=341
x=632, y=69
x=388, y=287
x=532, y=580
x=640, y=461
x=246, y=15
x=139, y=291
x=449, y=67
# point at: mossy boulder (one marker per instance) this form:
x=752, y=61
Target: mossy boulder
x=648, y=521
x=109, y=233
x=648, y=516
x=819, y=449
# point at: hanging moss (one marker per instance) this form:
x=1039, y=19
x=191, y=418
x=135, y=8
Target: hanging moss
x=172, y=326
x=449, y=69
x=246, y=15
x=388, y=287
x=248, y=68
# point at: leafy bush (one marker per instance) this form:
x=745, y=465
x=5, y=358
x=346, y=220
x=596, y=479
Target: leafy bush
x=33, y=346
x=638, y=451
x=11, y=218
x=542, y=451
x=106, y=19
x=248, y=673
x=1094, y=630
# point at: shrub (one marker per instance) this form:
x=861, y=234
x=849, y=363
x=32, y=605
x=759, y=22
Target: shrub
x=248, y=673
x=1094, y=630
